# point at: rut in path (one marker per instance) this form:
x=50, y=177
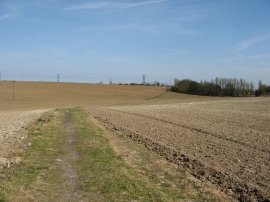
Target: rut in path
x=69, y=173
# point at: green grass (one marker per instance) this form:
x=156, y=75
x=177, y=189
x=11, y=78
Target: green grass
x=103, y=174
x=38, y=174
x=102, y=170
x=108, y=174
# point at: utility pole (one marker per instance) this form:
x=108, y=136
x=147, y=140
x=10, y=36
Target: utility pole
x=0, y=82
x=143, y=79
x=13, y=87
x=58, y=78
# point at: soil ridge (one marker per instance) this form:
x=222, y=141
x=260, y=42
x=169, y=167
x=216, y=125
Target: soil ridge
x=230, y=185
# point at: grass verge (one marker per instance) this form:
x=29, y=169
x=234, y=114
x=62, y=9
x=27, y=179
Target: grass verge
x=107, y=173
x=104, y=175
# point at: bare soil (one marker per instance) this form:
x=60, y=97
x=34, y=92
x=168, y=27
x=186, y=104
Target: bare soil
x=222, y=140
x=142, y=160
x=40, y=95
x=225, y=142
x=13, y=127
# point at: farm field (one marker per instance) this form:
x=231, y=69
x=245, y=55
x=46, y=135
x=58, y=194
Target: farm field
x=134, y=101
x=71, y=158
x=44, y=95
x=47, y=95
x=225, y=142
x=11, y=125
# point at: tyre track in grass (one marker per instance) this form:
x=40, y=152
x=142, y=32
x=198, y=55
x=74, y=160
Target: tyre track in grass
x=69, y=172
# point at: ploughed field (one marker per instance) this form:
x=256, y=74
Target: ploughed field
x=225, y=142
x=11, y=123
x=222, y=140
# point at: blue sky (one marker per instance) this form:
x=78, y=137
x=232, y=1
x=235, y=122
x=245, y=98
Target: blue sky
x=96, y=40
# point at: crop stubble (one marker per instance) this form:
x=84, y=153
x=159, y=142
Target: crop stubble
x=225, y=142
x=11, y=123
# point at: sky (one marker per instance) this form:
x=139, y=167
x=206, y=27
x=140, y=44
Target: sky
x=121, y=40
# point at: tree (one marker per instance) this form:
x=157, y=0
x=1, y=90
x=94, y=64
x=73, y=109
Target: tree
x=217, y=87
x=263, y=89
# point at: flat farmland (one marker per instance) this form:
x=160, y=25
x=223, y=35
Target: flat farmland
x=44, y=95
x=225, y=142
x=220, y=140
x=32, y=99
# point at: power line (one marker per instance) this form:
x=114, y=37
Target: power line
x=143, y=79
x=13, y=86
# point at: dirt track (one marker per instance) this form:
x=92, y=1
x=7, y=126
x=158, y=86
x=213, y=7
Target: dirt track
x=69, y=172
x=226, y=143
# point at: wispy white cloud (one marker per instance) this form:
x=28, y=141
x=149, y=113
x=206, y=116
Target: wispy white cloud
x=6, y=16
x=144, y=27
x=113, y=5
x=132, y=27
x=10, y=9
x=243, y=45
x=155, y=28
x=96, y=5
x=177, y=52
x=244, y=58
x=173, y=53
x=260, y=56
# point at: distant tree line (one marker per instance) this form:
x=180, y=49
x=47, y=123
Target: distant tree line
x=263, y=89
x=156, y=83
x=216, y=87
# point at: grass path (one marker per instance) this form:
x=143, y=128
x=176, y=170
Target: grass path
x=70, y=159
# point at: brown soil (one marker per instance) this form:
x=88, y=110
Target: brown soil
x=226, y=143
x=136, y=154
x=40, y=95
x=13, y=130
x=49, y=95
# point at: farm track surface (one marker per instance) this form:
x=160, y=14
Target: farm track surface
x=69, y=172
x=226, y=143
